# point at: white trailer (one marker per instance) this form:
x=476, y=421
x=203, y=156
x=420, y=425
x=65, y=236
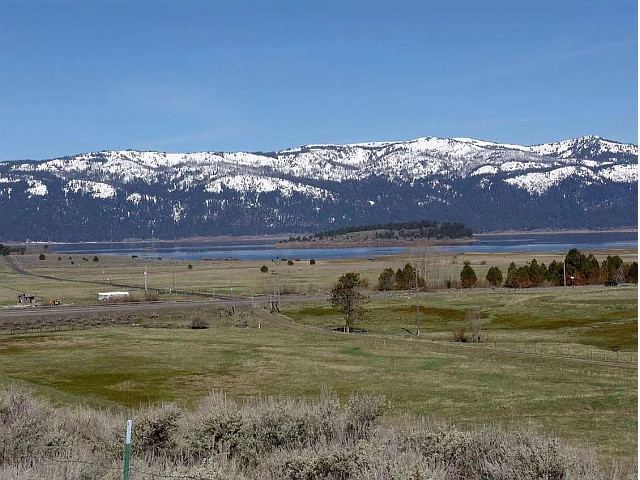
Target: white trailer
x=106, y=296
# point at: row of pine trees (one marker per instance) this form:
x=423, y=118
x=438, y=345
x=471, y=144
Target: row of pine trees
x=580, y=269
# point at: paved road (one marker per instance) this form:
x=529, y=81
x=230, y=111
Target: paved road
x=18, y=269
x=129, y=307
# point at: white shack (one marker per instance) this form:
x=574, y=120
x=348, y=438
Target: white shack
x=106, y=296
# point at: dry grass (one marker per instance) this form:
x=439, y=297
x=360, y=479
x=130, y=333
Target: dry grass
x=244, y=277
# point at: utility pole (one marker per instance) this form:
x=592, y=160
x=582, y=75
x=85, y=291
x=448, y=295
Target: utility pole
x=564, y=271
x=145, y=281
x=233, y=297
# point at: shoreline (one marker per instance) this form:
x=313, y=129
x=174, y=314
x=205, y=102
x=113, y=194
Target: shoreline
x=276, y=238
x=552, y=232
x=328, y=244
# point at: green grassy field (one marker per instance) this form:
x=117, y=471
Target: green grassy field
x=554, y=360
x=587, y=403
x=577, y=321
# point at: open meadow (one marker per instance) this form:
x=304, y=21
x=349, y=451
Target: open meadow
x=224, y=276
x=558, y=361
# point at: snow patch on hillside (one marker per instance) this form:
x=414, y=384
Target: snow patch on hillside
x=36, y=188
x=486, y=170
x=95, y=189
x=243, y=183
x=539, y=182
x=512, y=166
x=620, y=173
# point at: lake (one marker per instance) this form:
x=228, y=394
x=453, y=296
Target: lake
x=258, y=250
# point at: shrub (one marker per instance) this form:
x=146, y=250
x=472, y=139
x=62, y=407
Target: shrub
x=41, y=256
x=199, y=323
x=155, y=430
x=26, y=426
x=475, y=328
x=337, y=463
x=190, y=267
x=312, y=261
x=272, y=438
x=361, y=413
x=289, y=262
x=59, y=258
x=95, y=258
x=264, y=269
x=460, y=335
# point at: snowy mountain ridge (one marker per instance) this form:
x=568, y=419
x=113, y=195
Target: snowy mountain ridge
x=396, y=161
x=586, y=181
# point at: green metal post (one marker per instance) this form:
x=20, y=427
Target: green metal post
x=127, y=451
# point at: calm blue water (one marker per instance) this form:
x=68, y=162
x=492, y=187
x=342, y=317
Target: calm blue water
x=552, y=242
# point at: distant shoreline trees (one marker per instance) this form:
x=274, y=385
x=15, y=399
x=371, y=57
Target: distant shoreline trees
x=425, y=229
x=6, y=250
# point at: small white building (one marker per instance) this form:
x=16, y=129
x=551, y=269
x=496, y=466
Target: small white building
x=106, y=296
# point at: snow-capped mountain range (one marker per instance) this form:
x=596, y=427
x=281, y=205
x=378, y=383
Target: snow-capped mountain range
x=136, y=193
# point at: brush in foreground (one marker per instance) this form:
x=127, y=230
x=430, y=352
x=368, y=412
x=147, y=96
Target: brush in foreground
x=265, y=439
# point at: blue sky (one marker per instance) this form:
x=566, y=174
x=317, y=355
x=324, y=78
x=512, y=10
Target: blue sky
x=264, y=75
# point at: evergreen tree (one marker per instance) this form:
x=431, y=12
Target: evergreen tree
x=494, y=276
x=468, y=277
x=347, y=298
x=610, y=266
x=387, y=279
x=535, y=273
x=554, y=274
x=591, y=269
x=511, y=270
x=632, y=273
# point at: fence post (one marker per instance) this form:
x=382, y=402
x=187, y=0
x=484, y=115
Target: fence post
x=127, y=451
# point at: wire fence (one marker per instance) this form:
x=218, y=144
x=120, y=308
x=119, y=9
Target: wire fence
x=575, y=352
x=136, y=471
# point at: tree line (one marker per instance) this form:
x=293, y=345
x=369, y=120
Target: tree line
x=576, y=269
x=406, y=278
x=6, y=249
x=416, y=229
